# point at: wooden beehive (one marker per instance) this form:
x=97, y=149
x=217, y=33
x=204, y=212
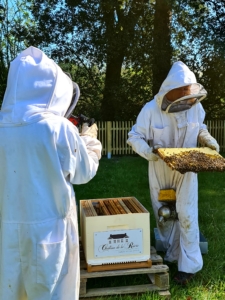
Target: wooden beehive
x=114, y=231
x=194, y=160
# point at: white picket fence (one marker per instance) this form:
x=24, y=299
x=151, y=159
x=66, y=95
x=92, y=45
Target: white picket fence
x=113, y=136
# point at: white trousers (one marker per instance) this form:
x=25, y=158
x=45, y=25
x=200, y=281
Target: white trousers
x=180, y=238
x=40, y=261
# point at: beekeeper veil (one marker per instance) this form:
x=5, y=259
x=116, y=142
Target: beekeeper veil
x=75, y=98
x=178, y=77
x=36, y=88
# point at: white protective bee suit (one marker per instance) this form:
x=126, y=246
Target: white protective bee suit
x=41, y=156
x=181, y=128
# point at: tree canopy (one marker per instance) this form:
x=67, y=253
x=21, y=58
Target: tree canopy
x=120, y=51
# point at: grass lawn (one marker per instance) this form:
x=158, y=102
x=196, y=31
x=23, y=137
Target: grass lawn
x=127, y=176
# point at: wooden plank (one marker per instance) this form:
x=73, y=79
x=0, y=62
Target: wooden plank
x=156, y=258
x=116, y=137
x=86, y=208
x=140, y=207
x=83, y=265
x=83, y=284
x=118, y=133
x=109, y=139
x=165, y=294
x=219, y=137
x=154, y=269
x=104, y=208
x=132, y=206
x=106, y=139
x=120, y=290
x=109, y=207
x=159, y=279
x=114, y=206
x=119, y=266
x=152, y=250
x=124, y=207
x=162, y=280
x=93, y=211
x=119, y=207
x=123, y=138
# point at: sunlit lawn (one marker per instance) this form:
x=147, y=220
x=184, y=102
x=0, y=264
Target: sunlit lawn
x=127, y=176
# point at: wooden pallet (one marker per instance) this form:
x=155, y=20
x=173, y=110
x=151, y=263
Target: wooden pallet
x=157, y=274
x=119, y=266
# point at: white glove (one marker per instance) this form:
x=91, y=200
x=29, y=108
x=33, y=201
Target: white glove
x=91, y=131
x=206, y=140
x=213, y=145
x=150, y=155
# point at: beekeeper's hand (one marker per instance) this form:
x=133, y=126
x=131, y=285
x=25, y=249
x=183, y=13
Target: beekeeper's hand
x=206, y=140
x=91, y=131
x=150, y=155
x=213, y=145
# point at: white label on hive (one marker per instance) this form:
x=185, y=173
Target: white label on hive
x=118, y=242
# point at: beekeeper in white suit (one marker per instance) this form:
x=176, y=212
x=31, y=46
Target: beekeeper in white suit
x=174, y=119
x=41, y=156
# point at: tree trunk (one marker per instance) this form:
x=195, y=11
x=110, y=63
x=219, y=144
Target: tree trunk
x=112, y=94
x=162, y=50
x=119, y=35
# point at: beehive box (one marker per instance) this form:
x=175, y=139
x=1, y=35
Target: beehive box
x=195, y=160
x=114, y=231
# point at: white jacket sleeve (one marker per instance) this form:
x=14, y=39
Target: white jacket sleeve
x=79, y=156
x=139, y=135
x=201, y=117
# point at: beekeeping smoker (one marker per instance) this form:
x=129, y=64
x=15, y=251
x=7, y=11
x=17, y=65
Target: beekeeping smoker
x=42, y=155
x=174, y=119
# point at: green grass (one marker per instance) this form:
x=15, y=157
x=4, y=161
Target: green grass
x=128, y=176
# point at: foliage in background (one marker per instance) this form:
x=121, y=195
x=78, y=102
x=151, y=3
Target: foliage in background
x=100, y=34
x=198, y=38
x=121, y=50
x=91, y=82
x=16, y=25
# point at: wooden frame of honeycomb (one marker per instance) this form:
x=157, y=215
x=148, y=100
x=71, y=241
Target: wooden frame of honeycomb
x=112, y=206
x=194, y=160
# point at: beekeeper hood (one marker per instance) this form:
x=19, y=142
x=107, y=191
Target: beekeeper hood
x=180, y=76
x=36, y=88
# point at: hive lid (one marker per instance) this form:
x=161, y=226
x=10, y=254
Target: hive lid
x=194, y=160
